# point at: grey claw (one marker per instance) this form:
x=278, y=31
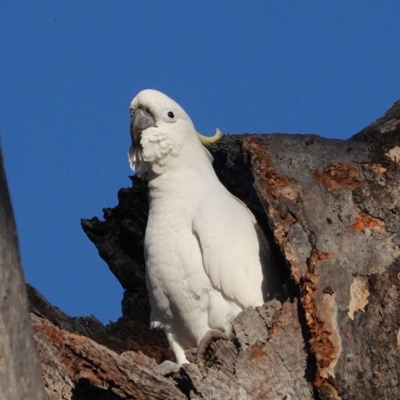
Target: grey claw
x=167, y=367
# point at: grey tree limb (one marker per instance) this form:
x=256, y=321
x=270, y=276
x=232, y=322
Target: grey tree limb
x=20, y=372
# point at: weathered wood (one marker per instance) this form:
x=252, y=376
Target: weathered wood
x=336, y=213
x=269, y=345
x=19, y=368
x=75, y=367
x=268, y=361
x=331, y=207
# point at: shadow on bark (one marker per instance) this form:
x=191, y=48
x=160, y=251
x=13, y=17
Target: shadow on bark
x=83, y=390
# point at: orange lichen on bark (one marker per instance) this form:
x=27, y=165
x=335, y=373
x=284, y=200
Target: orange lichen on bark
x=274, y=329
x=256, y=351
x=364, y=221
x=68, y=344
x=316, y=257
x=337, y=176
x=262, y=163
x=321, y=342
x=324, y=385
x=55, y=335
x=378, y=168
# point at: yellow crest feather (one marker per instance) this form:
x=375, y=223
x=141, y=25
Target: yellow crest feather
x=209, y=140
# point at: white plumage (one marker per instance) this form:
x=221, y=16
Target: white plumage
x=206, y=258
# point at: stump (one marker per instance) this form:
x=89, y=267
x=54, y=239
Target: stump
x=331, y=209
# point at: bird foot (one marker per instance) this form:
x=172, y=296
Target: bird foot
x=167, y=367
x=211, y=336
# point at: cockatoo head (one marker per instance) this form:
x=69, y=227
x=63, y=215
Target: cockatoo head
x=159, y=130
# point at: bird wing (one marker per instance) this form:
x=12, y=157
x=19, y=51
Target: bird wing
x=225, y=229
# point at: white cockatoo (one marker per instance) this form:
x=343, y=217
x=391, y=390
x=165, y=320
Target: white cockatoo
x=206, y=257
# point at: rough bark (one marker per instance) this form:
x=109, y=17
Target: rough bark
x=331, y=207
x=19, y=369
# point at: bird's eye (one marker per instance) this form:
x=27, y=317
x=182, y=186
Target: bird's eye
x=168, y=116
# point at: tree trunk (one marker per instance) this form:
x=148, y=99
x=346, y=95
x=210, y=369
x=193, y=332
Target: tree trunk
x=331, y=207
x=19, y=368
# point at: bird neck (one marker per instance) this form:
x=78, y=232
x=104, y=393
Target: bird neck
x=191, y=171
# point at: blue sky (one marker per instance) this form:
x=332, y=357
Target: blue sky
x=69, y=70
